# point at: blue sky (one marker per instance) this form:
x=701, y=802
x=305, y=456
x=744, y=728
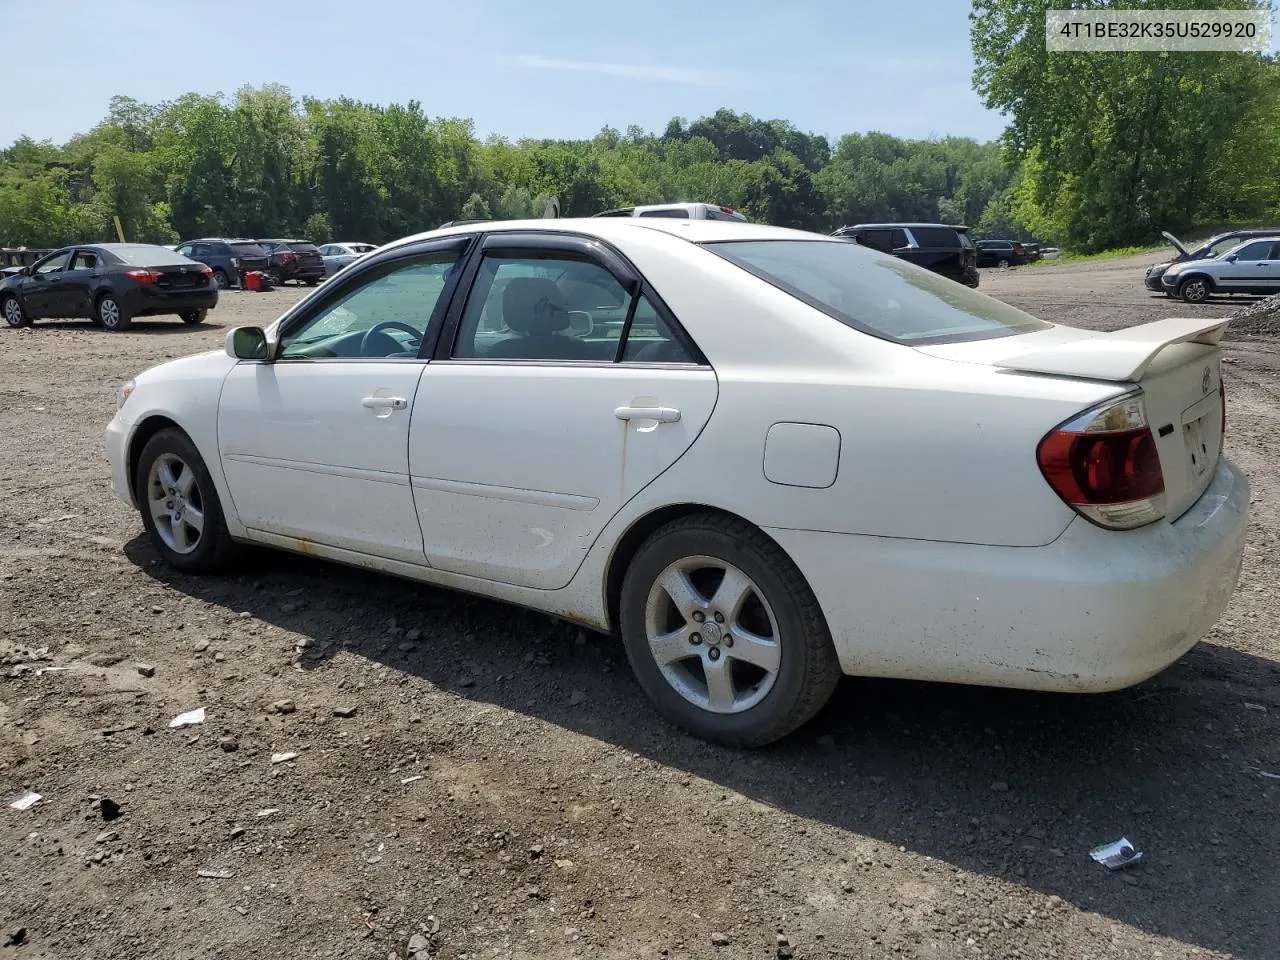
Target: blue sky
x=556, y=68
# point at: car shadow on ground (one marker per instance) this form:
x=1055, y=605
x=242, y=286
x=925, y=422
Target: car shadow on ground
x=1004, y=783
x=150, y=325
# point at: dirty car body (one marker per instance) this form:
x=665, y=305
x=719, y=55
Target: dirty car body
x=765, y=457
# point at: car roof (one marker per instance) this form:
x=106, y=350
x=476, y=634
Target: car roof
x=904, y=223
x=618, y=228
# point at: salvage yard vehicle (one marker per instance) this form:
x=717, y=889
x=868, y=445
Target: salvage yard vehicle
x=111, y=284
x=338, y=255
x=678, y=211
x=1215, y=246
x=764, y=457
x=229, y=259
x=1249, y=267
x=940, y=247
x=297, y=260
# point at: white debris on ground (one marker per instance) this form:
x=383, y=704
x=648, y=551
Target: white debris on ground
x=1262, y=316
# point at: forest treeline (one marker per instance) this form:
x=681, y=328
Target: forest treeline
x=1101, y=151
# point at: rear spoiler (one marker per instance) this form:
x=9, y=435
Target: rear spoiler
x=1121, y=354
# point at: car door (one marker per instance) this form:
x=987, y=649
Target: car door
x=42, y=289
x=76, y=298
x=314, y=443
x=1249, y=266
x=533, y=426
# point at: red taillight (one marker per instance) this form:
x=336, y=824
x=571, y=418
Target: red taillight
x=727, y=210
x=288, y=257
x=208, y=272
x=1105, y=466
x=144, y=276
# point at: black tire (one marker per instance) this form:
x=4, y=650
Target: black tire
x=276, y=279
x=193, y=317
x=110, y=314
x=214, y=549
x=311, y=283
x=14, y=315
x=808, y=669
x=221, y=279
x=1194, y=289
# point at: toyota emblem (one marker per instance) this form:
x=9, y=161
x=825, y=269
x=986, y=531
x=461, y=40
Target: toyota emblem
x=1206, y=381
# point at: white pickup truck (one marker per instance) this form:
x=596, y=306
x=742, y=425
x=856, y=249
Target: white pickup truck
x=678, y=211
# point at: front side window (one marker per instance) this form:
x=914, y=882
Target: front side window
x=54, y=264
x=1258, y=250
x=887, y=298
x=384, y=317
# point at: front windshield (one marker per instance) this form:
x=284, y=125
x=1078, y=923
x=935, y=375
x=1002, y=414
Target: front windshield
x=877, y=293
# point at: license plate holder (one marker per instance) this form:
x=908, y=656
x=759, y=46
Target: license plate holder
x=1197, y=449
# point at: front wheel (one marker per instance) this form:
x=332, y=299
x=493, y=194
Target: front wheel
x=111, y=314
x=724, y=634
x=193, y=317
x=1193, y=290
x=14, y=315
x=179, y=505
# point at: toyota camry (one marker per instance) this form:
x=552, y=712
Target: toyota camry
x=764, y=458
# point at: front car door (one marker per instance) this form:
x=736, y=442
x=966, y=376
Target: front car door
x=1249, y=266
x=315, y=444
x=534, y=425
x=42, y=289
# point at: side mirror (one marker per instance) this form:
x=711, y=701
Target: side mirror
x=247, y=343
x=1232, y=259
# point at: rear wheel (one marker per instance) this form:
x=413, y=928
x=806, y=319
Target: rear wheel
x=723, y=632
x=193, y=316
x=111, y=314
x=1194, y=290
x=14, y=315
x=310, y=283
x=179, y=505
x=276, y=280
x=221, y=279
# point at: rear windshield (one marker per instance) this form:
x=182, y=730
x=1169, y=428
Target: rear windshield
x=679, y=213
x=936, y=237
x=304, y=247
x=878, y=294
x=247, y=250
x=145, y=255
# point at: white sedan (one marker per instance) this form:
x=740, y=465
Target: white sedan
x=764, y=457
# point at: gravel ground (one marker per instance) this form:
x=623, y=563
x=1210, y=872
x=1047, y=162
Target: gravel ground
x=387, y=770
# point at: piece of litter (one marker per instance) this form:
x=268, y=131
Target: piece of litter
x=268, y=812
x=25, y=801
x=1255, y=706
x=189, y=718
x=283, y=757
x=409, y=780
x=214, y=874
x=1113, y=856
x=40, y=671
x=1269, y=776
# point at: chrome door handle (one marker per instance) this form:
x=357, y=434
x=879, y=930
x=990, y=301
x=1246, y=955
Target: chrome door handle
x=384, y=403
x=661, y=414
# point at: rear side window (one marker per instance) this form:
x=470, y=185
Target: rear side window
x=936, y=237
x=885, y=297
x=247, y=250
x=879, y=239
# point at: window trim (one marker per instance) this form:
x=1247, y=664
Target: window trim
x=86, y=251
x=308, y=309
x=582, y=247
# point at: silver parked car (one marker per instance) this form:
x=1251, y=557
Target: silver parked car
x=1249, y=267
x=338, y=255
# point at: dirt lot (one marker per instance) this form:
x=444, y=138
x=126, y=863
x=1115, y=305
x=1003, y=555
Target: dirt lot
x=504, y=790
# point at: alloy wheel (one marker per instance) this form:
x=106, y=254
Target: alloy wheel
x=177, y=508
x=13, y=312
x=109, y=312
x=713, y=634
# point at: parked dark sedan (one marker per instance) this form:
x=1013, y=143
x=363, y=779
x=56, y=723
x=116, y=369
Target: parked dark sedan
x=111, y=284
x=298, y=260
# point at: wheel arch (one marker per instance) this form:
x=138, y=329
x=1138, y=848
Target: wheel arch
x=639, y=531
x=143, y=432
x=1197, y=275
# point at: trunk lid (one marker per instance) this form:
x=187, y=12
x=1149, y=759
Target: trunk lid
x=181, y=276
x=1176, y=361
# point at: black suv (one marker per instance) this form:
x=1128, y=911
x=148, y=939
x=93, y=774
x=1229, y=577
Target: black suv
x=298, y=260
x=944, y=249
x=1215, y=246
x=230, y=260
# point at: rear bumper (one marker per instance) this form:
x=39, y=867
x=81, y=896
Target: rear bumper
x=147, y=299
x=1095, y=610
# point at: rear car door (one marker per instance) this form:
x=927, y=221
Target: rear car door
x=77, y=284
x=534, y=426
x=315, y=445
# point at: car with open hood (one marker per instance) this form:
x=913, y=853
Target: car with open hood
x=1213, y=247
